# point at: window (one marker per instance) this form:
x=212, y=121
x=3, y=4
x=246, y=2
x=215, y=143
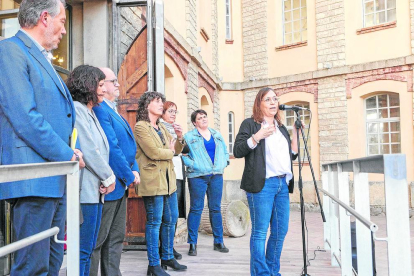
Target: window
x=294, y=21
x=228, y=20
x=378, y=12
x=290, y=119
x=9, y=25
x=382, y=113
x=231, y=132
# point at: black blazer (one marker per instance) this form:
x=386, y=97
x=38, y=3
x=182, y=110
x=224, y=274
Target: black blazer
x=254, y=174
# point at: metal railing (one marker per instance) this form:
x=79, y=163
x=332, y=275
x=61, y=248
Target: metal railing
x=337, y=231
x=12, y=173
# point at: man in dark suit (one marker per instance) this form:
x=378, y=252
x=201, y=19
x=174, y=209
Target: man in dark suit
x=36, y=123
x=122, y=149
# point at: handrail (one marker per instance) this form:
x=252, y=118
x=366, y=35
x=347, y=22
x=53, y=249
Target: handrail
x=369, y=224
x=12, y=173
x=10, y=248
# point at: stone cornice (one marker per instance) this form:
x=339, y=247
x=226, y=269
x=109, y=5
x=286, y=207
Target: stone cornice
x=317, y=74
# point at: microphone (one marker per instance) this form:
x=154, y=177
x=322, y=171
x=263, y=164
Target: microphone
x=292, y=107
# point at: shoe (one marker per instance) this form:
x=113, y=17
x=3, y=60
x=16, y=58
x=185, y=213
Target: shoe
x=177, y=255
x=221, y=248
x=193, y=250
x=156, y=271
x=173, y=264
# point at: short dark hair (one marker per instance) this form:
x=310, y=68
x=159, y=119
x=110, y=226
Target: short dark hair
x=83, y=83
x=144, y=101
x=195, y=113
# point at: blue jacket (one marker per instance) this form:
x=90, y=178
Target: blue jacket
x=36, y=116
x=122, y=148
x=198, y=161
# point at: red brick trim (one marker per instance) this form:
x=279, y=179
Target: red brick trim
x=291, y=46
x=229, y=41
x=402, y=73
x=375, y=28
x=307, y=86
x=204, y=34
x=180, y=57
x=205, y=81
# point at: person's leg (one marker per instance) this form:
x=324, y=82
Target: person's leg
x=56, y=249
x=30, y=216
x=154, y=209
x=169, y=219
x=260, y=205
x=87, y=236
x=108, y=213
x=198, y=188
x=278, y=228
x=214, y=194
x=112, y=248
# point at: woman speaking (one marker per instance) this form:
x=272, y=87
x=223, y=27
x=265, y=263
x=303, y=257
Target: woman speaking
x=265, y=144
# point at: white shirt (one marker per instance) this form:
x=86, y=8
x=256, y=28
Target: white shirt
x=277, y=154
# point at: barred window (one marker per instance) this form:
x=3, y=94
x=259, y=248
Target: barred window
x=382, y=114
x=294, y=21
x=231, y=132
x=290, y=119
x=378, y=12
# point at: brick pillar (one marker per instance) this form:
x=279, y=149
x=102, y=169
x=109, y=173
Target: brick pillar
x=333, y=119
x=249, y=96
x=216, y=110
x=214, y=37
x=191, y=20
x=254, y=14
x=330, y=33
x=192, y=95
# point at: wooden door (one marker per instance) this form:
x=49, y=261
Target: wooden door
x=132, y=77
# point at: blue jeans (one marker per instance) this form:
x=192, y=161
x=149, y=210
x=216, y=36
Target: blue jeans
x=199, y=186
x=270, y=206
x=31, y=215
x=162, y=215
x=92, y=214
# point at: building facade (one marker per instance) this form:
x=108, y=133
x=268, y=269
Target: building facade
x=349, y=62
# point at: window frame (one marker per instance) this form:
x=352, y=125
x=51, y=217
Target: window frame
x=375, y=13
x=379, y=121
x=230, y=16
x=231, y=141
x=307, y=129
x=292, y=20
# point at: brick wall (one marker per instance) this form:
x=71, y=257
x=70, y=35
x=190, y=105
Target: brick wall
x=214, y=36
x=255, y=54
x=216, y=110
x=192, y=95
x=330, y=32
x=131, y=24
x=191, y=22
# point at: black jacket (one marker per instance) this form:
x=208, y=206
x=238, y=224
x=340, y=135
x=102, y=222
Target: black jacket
x=254, y=174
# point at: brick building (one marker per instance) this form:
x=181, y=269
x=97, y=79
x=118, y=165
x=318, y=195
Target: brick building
x=349, y=62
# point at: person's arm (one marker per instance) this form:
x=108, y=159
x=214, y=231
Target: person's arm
x=241, y=145
x=147, y=144
x=226, y=152
x=93, y=160
x=117, y=159
x=17, y=101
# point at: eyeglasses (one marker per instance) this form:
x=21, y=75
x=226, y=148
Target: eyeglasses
x=172, y=111
x=114, y=81
x=268, y=99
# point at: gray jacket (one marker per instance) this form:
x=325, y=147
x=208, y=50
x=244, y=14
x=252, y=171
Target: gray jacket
x=95, y=149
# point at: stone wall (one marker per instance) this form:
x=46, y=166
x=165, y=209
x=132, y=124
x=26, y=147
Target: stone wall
x=254, y=14
x=214, y=37
x=191, y=21
x=192, y=95
x=131, y=22
x=330, y=33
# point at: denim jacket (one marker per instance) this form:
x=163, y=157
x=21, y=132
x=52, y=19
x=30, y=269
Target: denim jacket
x=198, y=161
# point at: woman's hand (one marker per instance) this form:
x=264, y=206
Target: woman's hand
x=178, y=130
x=110, y=188
x=264, y=132
x=102, y=189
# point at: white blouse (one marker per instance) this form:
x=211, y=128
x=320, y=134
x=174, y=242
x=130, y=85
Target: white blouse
x=277, y=154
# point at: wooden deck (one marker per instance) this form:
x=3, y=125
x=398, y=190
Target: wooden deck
x=236, y=262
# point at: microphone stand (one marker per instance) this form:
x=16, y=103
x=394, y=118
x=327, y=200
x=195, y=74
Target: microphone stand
x=299, y=128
